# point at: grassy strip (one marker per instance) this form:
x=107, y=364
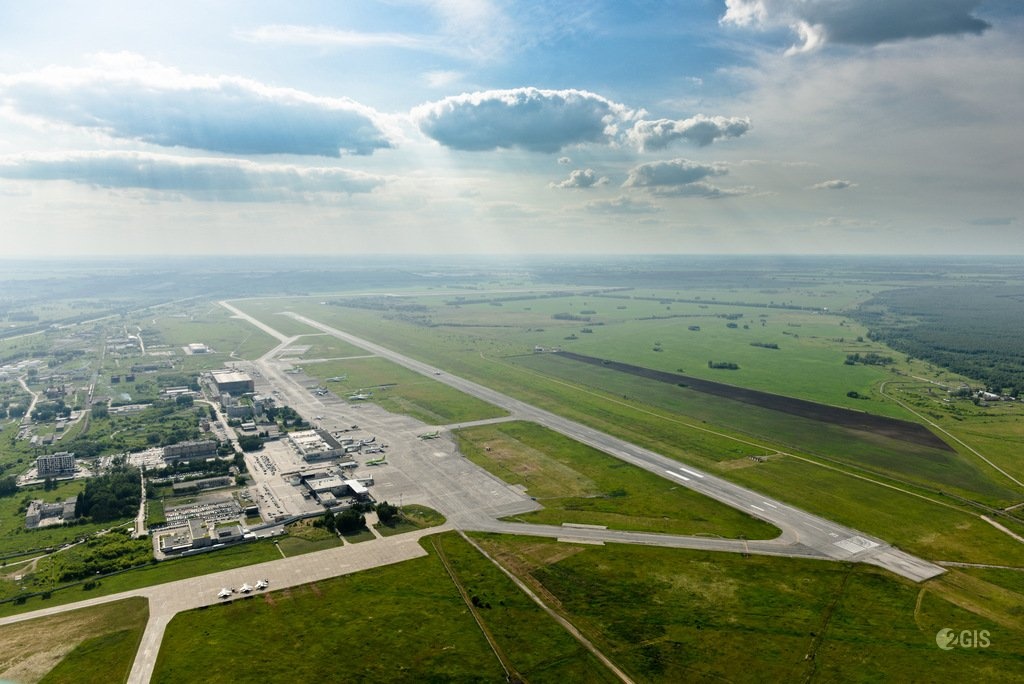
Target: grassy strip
x=579, y=484
x=86, y=645
x=722, y=616
x=158, y=573
x=400, y=390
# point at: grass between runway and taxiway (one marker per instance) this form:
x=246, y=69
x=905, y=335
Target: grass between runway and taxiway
x=403, y=622
x=579, y=484
x=95, y=644
x=675, y=615
x=400, y=390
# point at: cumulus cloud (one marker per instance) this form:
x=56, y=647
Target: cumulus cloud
x=835, y=184
x=527, y=118
x=700, y=130
x=856, y=22
x=671, y=173
x=564, y=160
x=551, y=120
x=679, y=178
x=622, y=205
x=126, y=96
x=581, y=178
x=200, y=178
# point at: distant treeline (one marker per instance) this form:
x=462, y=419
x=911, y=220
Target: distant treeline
x=972, y=330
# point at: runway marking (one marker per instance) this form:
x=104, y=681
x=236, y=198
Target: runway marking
x=769, y=504
x=757, y=508
x=680, y=476
x=690, y=472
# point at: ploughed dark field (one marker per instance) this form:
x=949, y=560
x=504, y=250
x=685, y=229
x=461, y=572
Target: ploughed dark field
x=856, y=420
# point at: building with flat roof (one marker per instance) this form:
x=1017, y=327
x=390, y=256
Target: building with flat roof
x=61, y=463
x=315, y=445
x=233, y=382
x=187, y=451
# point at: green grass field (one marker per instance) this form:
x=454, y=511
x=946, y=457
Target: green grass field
x=920, y=464
x=405, y=622
x=705, y=616
x=578, y=484
x=87, y=645
x=157, y=573
x=399, y=390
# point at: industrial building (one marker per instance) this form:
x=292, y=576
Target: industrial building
x=233, y=382
x=55, y=465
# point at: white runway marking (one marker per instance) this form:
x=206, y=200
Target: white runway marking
x=769, y=504
x=757, y=508
x=681, y=477
x=690, y=472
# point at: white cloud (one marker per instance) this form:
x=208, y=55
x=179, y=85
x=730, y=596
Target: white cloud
x=322, y=36
x=564, y=160
x=442, y=79
x=622, y=205
x=126, y=96
x=856, y=22
x=680, y=178
x=835, y=184
x=199, y=178
x=700, y=130
x=580, y=179
x=671, y=173
x=527, y=118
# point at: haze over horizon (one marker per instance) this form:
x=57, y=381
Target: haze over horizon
x=488, y=127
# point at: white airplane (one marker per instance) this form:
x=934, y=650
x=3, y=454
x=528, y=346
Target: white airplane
x=262, y=584
x=225, y=592
x=245, y=588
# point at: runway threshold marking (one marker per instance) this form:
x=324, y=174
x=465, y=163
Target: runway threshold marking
x=690, y=472
x=769, y=504
x=679, y=475
x=758, y=508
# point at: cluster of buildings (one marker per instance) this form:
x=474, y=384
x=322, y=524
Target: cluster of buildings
x=42, y=514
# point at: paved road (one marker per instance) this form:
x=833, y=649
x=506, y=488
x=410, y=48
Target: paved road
x=166, y=600
x=803, y=534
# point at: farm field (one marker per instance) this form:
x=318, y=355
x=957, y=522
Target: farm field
x=410, y=614
x=578, y=484
x=726, y=617
x=87, y=645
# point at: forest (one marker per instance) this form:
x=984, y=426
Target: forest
x=970, y=329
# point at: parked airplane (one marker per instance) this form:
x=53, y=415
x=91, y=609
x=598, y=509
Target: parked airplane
x=245, y=588
x=431, y=435
x=225, y=592
x=377, y=461
x=262, y=584
x=359, y=396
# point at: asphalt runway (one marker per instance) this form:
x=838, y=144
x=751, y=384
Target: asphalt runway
x=803, y=534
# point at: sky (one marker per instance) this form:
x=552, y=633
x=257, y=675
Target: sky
x=511, y=127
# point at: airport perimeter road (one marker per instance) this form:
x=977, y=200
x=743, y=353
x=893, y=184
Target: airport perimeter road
x=801, y=530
